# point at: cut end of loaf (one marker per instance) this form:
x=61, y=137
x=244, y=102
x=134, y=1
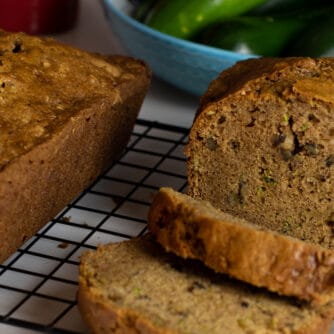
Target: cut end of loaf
x=262, y=146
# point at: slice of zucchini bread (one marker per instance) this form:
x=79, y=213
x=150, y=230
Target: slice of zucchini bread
x=262, y=146
x=135, y=287
x=193, y=228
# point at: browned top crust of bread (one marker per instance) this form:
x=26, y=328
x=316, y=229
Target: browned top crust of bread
x=262, y=146
x=195, y=229
x=44, y=83
x=65, y=114
x=244, y=72
x=135, y=287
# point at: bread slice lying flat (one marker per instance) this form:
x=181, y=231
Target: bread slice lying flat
x=194, y=229
x=65, y=115
x=136, y=287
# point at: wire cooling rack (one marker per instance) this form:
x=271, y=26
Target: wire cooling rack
x=38, y=283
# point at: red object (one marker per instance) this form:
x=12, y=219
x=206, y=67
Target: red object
x=38, y=16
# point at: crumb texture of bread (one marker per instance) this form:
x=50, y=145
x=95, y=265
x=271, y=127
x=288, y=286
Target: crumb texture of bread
x=262, y=146
x=193, y=228
x=136, y=287
x=65, y=114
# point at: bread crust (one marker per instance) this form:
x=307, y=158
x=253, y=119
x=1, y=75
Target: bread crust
x=194, y=229
x=236, y=77
x=38, y=183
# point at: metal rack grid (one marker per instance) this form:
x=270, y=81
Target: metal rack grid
x=38, y=283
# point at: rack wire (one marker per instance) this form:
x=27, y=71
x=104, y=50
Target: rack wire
x=38, y=283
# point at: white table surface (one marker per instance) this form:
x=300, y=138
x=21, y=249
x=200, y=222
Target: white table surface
x=163, y=103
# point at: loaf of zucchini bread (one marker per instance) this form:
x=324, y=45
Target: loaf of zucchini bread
x=65, y=114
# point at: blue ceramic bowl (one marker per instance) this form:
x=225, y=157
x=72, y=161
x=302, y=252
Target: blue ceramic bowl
x=187, y=65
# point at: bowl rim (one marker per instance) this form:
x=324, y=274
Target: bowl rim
x=178, y=42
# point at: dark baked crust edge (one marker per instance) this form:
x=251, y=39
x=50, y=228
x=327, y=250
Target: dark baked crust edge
x=237, y=76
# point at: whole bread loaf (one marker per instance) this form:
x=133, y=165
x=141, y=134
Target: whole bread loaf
x=64, y=116
x=193, y=228
x=135, y=287
x=262, y=146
